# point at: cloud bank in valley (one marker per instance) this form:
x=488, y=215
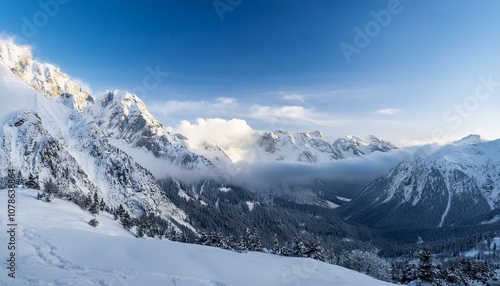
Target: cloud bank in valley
x=262, y=176
x=259, y=176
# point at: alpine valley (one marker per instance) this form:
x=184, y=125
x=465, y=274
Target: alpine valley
x=105, y=159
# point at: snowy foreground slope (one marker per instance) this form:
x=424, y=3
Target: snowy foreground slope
x=56, y=246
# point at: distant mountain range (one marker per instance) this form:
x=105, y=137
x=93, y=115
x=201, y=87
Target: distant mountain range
x=456, y=185
x=306, y=147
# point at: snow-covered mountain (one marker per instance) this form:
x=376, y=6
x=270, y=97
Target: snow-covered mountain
x=458, y=184
x=45, y=78
x=123, y=116
x=47, y=139
x=120, y=115
x=351, y=146
x=306, y=147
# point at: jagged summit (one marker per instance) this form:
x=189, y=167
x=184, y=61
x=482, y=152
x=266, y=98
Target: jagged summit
x=120, y=115
x=352, y=146
x=45, y=78
x=123, y=116
x=470, y=139
x=305, y=147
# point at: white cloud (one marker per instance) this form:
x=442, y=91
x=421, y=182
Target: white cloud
x=288, y=96
x=388, y=111
x=297, y=114
x=227, y=101
x=224, y=133
x=266, y=175
x=294, y=97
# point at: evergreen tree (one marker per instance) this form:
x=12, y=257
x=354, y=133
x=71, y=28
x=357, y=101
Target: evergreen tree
x=119, y=212
x=298, y=247
x=246, y=242
x=32, y=182
x=93, y=222
x=277, y=249
x=19, y=178
x=102, y=205
x=154, y=231
x=50, y=189
x=94, y=208
x=214, y=239
x=285, y=250
x=254, y=241
x=242, y=247
x=140, y=232
x=144, y=223
x=87, y=203
x=425, y=269
x=201, y=238
x=173, y=235
x=313, y=249
x=232, y=243
x=126, y=221
x=397, y=273
x=408, y=271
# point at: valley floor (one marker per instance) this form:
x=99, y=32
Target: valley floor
x=56, y=246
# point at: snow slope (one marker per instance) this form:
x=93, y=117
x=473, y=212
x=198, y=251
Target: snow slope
x=14, y=94
x=56, y=246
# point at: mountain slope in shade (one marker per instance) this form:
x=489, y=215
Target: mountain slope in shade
x=450, y=187
x=56, y=246
x=45, y=78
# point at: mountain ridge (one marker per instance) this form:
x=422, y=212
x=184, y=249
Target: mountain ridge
x=446, y=188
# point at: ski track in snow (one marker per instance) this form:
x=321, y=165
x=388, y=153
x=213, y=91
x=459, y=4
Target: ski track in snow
x=47, y=256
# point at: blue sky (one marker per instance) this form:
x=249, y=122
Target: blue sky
x=278, y=64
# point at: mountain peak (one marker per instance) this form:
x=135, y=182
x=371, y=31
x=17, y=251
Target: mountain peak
x=45, y=78
x=468, y=140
